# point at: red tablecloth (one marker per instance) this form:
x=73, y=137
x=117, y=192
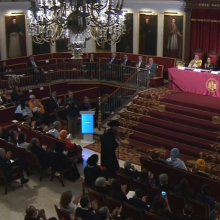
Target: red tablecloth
x=202, y=83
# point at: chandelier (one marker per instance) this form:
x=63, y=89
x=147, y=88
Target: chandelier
x=77, y=21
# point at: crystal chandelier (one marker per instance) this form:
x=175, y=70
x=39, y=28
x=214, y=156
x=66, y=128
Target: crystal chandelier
x=75, y=20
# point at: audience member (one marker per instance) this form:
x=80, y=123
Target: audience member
x=86, y=212
x=146, y=177
x=160, y=207
x=36, y=71
x=139, y=200
x=27, y=122
x=129, y=170
x=59, y=161
x=175, y=161
x=184, y=189
x=92, y=65
x=42, y=155
x=23, y=110
x=125, y=64
x=17, y=95
x=36, y=214
x=63, y=137
x=164, y=186
x=187, y=212
x=40, y=125
x=104, y=213
x=140, y=63
x=4, y=69
x=22, y=141
x=54, y=102
x=72, y=109
x=85, y=105
x=117, y=191
x=156, y=157
x=55, y=131
x=112, y=60
x=10, y=167
x=67, y=203
x=6, y=98
x=92, y=171
x=13, y=135
x=200, y=168
x=102, y=186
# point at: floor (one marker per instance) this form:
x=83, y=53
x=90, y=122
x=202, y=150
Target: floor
x=43, y=195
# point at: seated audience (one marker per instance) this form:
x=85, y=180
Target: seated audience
x=36, y=214
x=184, y=189
x=27, y=122
x=5, y=133
x=102, y=186
x=139, y=200
x=92, y=171
x=151, y=71
x=40, y=126
x=209, y=65
x=13, y=137
x=196, y=62
x=187, y=212
x=23, y=110
x=86, y=212
x=67, y=203
x=160, y=207
x=175, y=161
x=92, y=65
x=4, y=70
x=55, y=131
x=146, y=177
x=140, y=63
x=85, y=105
x=42, y=155
x=200, y=168
x=54, y=102
x=17, y=95
x=164, y=186
x=117, y=191
x=129, y=170
x=9, y=167
x=59, y=161
x=156, y=157
x=6, y=98
x=104, y=213
x=22, y=141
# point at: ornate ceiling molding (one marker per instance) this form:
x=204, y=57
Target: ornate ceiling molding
x=202, y=4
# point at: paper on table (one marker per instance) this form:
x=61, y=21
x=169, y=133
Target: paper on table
x=215, y=72
x=197, y=70
x=181, y=68
x=130, y=194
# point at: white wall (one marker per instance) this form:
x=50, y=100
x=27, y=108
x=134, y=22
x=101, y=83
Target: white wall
x=130, y=5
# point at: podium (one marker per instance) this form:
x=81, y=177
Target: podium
x=87, y=126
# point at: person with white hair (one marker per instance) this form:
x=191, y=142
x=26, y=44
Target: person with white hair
x=9, y=167
x=163, y=184
x=104, y=213
x=102, y=186
x=55, y=131
x=129, y=170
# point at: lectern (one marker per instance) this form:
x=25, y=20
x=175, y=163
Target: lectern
x=87, y=126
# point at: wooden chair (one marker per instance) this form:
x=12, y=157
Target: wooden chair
x=176, y=202
x=112, y=203
x=15, y=176
x=199, y=52
x=59, y=174
x=133, y=212
x=214, y=57
x=11, y=147
x=3, y=144
x=125, y=180
x=62, y=214
x=93, y=195
x=34, y=163
x=22, y=155
x=155, y=191
x=139, y=185
x=150, y=216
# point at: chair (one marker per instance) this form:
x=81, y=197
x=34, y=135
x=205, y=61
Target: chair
x=22, y=155
x=112, y=203
x=62, y=214
x=150, y=216
x=125, y=180
x=155, y=191
x=93, y=195
x=214, y=57
x=15, y=176
x=133, y=212
x=198, y=52
x=34, y=163
x=3, y=144
x=176, y=202
x=139, y=185
x=11, y=147
x=59, y=174
x=84, y=187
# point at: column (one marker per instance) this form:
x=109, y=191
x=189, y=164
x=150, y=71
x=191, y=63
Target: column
x=135, y=34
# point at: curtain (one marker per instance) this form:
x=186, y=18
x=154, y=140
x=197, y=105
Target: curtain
x=205, y=30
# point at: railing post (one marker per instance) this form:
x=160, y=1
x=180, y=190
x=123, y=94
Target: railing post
x=99, y=113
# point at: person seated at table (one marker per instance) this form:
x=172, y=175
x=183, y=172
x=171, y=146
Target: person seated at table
x=4, y=69
x=23, y=110
x=17, y=94
x=92, y=65
x=85, y=105
x=196, y=62
x=209, y=65
x=6, y=97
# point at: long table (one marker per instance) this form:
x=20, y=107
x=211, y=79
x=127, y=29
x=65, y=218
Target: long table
x=202, y=83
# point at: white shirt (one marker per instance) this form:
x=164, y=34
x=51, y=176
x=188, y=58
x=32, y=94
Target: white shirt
x=23, y=145
x=24, y=112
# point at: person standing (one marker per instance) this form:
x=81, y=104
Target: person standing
x=54, y=102
x=108, y=146
x=151, y=70
x=72, y=109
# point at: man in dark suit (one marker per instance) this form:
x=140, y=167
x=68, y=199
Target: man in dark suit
x=35, y=70
x=151, y=70
x=163, y=184
x=101, y=186
x=87, y=210
x=54, y=102
x=125, y=63
x=139, y=200
x=187, y=212
x=140, y=63
x=129, y=170
x=111, y=67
